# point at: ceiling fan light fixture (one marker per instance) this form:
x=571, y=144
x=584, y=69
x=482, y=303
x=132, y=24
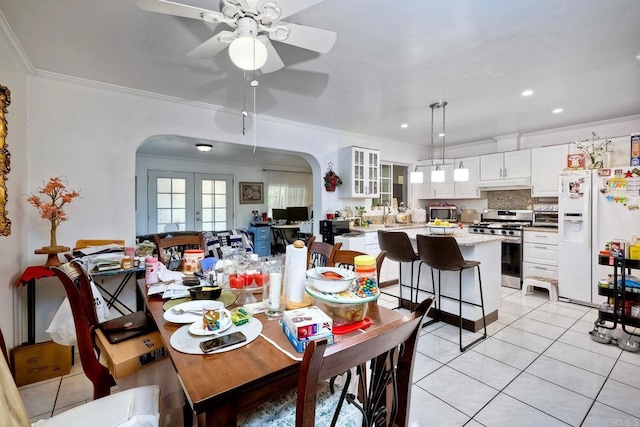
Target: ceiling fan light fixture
x=204, y=147
x=248, y=53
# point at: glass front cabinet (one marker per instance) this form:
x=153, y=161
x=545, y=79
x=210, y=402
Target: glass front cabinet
x=360, y=172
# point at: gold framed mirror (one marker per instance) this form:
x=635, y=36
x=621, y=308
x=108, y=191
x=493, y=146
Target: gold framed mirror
x=5, y=163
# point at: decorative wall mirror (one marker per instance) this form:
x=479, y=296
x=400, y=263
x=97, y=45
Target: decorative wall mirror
x=5, y=164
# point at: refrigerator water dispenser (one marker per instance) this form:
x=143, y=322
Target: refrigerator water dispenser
x=573, y=228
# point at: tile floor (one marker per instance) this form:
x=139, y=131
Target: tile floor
x=539, y=367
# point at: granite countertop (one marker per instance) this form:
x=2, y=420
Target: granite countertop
x=543, y=229
x=375, y=227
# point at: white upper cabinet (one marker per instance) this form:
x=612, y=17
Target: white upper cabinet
x=442, y=190
x=546, y=165
x=507, y=165
x=360, y=172
x=468, y=189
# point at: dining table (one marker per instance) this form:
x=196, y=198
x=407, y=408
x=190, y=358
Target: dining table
x=222, y=385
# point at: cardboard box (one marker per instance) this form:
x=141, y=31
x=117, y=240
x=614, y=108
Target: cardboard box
x=129, y=356
x=38, y=362
x=301, y=344
x=307, y=321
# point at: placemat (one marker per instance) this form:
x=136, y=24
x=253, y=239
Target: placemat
x=226, y=297
x=184, y=342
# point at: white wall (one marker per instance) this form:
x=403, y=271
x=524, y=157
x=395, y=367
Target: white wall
x=13, y=251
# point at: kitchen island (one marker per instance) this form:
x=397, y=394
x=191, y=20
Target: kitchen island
x=486, y=250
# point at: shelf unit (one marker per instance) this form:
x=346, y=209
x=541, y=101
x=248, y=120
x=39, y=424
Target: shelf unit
x=619, y=293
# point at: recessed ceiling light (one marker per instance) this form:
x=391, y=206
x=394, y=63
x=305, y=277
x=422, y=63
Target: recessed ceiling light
x=404, y=126
x=204, y=147
x=527, y=92
x=557, y=111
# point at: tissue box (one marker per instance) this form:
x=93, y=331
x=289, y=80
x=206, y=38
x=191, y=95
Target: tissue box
x=307, y=321
x=301, y=344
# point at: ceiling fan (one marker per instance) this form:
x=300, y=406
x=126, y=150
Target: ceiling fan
x=255, y=23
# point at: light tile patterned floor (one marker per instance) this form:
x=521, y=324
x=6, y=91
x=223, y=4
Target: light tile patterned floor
x=539, y=367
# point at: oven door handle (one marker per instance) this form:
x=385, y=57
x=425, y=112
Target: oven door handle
x=512, y=240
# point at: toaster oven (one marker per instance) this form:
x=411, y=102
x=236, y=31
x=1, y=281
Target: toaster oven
x=444, y=213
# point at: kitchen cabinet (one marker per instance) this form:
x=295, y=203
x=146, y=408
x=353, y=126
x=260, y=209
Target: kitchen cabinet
x=540, y=254
x=389, y=270
x=546, y=165
x=507, y=165
x=261, y=240
x=442, y=190
x=360, y=172
x=468, y=189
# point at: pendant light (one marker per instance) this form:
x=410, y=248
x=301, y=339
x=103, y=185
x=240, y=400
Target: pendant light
x=461, y=174
x=437, y=174
x=416, y=177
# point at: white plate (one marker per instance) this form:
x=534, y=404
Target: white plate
x=196, y=328
x=184, y=342
x=197, y=305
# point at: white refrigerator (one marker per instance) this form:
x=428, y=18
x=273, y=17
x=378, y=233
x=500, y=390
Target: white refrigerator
x=593, y=210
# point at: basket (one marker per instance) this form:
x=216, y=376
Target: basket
x=442, y=229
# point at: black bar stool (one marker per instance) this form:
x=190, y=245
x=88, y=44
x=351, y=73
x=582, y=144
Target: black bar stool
x=399, y=249
x=443, y=254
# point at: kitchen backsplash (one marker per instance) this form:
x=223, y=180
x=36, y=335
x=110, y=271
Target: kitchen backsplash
x=510, y=199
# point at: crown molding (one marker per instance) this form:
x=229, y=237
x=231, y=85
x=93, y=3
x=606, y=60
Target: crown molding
x=7, y=34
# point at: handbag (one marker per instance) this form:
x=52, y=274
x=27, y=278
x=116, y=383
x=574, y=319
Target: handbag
x=126, y=327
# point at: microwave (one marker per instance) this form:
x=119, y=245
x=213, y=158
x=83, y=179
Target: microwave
x=444, y=213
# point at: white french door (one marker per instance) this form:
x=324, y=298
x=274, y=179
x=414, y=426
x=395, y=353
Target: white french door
x=189, y=201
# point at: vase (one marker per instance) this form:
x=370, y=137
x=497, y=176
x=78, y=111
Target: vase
x=596, y=162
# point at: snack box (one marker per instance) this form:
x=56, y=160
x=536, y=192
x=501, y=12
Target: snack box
x=301, y=344
x=307, y=321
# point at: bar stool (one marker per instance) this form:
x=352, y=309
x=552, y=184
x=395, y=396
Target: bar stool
x=443, y=254
x=399, y=249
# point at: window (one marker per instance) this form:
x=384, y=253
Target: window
x=188, y=201
x=288, y=189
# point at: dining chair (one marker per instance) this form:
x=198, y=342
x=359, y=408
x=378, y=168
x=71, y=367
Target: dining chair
x=78, y=288
x=171, y=248
x=321, y=254
x=386, y=396
x=344, y=259
x=136, y=406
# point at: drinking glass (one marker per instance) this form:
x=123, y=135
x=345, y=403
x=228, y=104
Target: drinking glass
x=272, y=289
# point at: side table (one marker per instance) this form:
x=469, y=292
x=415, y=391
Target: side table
x=29, y=277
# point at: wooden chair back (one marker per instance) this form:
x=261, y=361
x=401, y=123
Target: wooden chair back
x=344, y=259
x=321, y=254
x=78, y=288
x=391, y=352
x=171, y=248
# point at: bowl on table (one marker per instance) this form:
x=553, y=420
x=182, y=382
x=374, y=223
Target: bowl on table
x=330, y=279
x=205, y=292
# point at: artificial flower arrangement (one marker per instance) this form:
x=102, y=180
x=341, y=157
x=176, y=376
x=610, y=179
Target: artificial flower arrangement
x=331, y=179
x=594, y=148
x=50, y=201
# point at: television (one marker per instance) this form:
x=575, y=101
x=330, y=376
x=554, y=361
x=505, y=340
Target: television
x=298, y=213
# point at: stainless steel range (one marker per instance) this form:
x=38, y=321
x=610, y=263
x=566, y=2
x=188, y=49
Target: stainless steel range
x=509, y=224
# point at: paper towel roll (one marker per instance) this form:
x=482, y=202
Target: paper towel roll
x=295, y=272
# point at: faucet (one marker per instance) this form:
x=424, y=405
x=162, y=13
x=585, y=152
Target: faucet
x=386, y=210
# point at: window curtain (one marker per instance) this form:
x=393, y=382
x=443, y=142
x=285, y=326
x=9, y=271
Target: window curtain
x=288, y=189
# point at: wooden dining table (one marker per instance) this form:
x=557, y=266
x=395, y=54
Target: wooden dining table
x=223, y=385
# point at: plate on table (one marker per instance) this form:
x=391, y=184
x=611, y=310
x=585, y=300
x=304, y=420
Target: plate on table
x=196, y=305
x=226, y=297
x=196, y=328
x=184, y=342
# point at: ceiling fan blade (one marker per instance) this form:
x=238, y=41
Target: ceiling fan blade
x=291, y=7
x=274, y=62
x=176, y=9
x=305, y=37
x=213, y=46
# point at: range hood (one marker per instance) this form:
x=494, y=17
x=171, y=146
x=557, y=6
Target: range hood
x=505, y=184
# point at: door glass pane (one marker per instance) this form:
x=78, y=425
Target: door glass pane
x=164, y=185
x=171, y=203
x=179, y=201
x=164, y=200
x=214, y=195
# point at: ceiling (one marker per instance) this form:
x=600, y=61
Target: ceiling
x=391, y=60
